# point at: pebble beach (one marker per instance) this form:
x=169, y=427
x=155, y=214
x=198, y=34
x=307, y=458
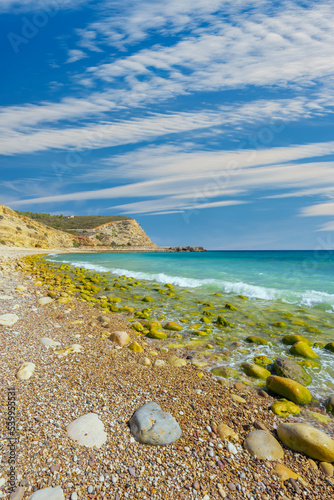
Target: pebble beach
x=85, y=371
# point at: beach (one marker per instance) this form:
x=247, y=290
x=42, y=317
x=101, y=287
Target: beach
x=112, y=382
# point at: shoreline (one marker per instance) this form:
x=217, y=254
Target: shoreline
x=111, y=382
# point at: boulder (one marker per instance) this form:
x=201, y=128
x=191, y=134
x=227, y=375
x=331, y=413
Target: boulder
x=263, y=446
x=150, y=425
x=25, y=371
x=8, y=319
x=87, y=430
x=255, y=371
x=306, y=439
x=289, y=389
x=48, y=494
x=303, y=349
x=120, y=338
x=287, y=368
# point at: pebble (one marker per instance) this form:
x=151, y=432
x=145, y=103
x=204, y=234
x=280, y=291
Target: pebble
x=25, y=371
x=8, y=319
x=18, y=493
x=90, y=489
x=231, y=448
x=87, y=430
x=74, y=496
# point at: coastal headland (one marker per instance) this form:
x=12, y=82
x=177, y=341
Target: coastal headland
x=63, y=358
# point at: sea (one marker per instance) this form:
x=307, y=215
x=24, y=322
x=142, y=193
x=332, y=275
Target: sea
x=265, y=287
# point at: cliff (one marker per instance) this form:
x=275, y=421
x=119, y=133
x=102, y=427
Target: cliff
x=118, y=233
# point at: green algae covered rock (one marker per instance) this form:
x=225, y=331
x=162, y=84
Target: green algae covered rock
x=155, y=334
x=172, y=326
x=223, y=322
x=313, y=329
x=242, y=297
x=284, y=408
x=152, y=325
x=262, y=360
x=306, y=439
x=292, y=339
x=148, y=299
x=302, y=349
x=255, y=371
x=176, y=361
x=300, y=322
x=330, y=346
x=206, y=320
x=319, y=345
x=225, y=372
x=231, y=307
x=289, y=389
x=329, y=403
x=137, y=326
x=279, y=324
x=135, y=347
x=257, y=340
x=287, y=368
x=114, y=299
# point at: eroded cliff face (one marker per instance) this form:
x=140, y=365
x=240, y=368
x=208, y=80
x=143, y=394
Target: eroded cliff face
x=19, y=231
x=119, y=233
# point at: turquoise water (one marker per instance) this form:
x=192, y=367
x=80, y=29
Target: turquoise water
x=305, y=278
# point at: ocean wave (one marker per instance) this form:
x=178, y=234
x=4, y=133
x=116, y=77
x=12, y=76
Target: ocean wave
x=309, y=298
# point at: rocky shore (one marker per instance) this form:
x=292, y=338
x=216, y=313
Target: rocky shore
x=76, y=384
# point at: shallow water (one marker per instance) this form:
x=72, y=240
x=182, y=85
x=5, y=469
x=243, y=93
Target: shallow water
x=286, y=287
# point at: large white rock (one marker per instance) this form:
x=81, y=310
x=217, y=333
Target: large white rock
x=48, y=494
x=49, y=342
x=25, y=371
x=44, y=301
x=150, y=425
x=87, y=430
x=8, y=319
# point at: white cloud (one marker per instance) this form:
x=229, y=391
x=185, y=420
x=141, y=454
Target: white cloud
x=39, y=5
x=319, y=209
x=75, y=55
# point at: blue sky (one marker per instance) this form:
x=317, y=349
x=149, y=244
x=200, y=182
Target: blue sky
x=208, y=121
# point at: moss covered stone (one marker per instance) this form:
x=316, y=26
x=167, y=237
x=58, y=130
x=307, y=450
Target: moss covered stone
x=225, y=372
x=155, y=334
x=292, y=339
x=223, y=322
x=304, y=350
x=289, y=389
x=279, y=324
x=262, y=360
x=330, y=346
x=257, y=340
x=135, y=347
x=172, y=326
x=284, y=408
x=231, y=307
x=255, y=371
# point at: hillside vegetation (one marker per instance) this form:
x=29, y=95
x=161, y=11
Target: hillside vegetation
x=71, y=224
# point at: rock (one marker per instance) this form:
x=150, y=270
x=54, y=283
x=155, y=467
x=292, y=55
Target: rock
x=225, y=432
x=8, y=319
x=155, y=334
x=171, y=325
x=257, y=340
x=232, y=449
x=18, y=493
x=175, y=361
x=289, y=389
x=255, y=371
x=330, y=346
x=135, y=347
x=120, y=338
x=306, y=439
x=225, y=372
x=323, y=419
x=25, y=371
x=159, y=362
x=262, y=445
x=49, y=342
x=150, y=425
x=238, y=399
x=329, y=403
x=279, y=324
x=284, y=473
x=262, y=360
x=87, y=430
x=145, y=361
x=137, y=326
x=302, y=349
x=21, y=288
x=327, y=469
x=284, y=408
x=198, y=363
x=104, y=319
x=287, y=368
x=223, y=322
x=48, y=494
x=44, y=301
x=293, y=339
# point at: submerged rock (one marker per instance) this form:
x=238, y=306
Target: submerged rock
x=306, y=439
x=303, y=349
x=150, y=425
x=287, y=368
x=263, y=446
x=330, y=404
x=262, y=360
x=289, y=389
x=292, y=339
x=225, y=372
x=172, y=326
x=257, y=340
x=330, y=346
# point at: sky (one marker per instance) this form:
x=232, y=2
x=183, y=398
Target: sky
x=208, y=121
